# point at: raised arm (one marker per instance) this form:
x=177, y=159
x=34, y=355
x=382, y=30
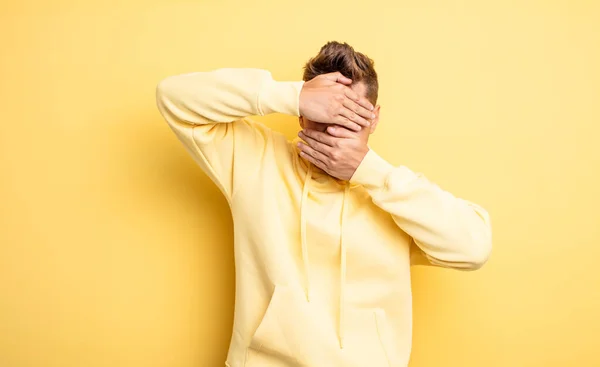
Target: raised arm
x=208, y=110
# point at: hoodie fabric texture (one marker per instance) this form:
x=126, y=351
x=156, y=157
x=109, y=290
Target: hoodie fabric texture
x=322, y=265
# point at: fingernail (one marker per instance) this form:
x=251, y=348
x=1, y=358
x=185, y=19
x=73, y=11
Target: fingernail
x=372, y=115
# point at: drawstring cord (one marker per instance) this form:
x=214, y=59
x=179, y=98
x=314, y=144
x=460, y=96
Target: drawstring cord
x=303, y=230
x=343, y=267
x=305, y=259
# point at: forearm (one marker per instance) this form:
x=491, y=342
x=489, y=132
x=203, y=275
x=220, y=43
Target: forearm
x=225, y=95
x=451, y=232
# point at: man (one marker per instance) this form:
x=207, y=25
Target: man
x=325, y=229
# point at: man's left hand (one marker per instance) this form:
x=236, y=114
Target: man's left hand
x=338, y=152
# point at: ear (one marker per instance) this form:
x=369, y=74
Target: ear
x=375, y=120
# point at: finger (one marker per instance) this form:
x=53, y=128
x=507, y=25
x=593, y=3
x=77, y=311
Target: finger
x=350, y=93
x=314, y=161
x=349, y=113
x=319, y=136
x=345, y=122
x=338, y=78
x=359, y=110
x=341, y=132
x=363, y=102
x=316, y=145
x=317, y=156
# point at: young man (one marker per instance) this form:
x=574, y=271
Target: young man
x=325, y=229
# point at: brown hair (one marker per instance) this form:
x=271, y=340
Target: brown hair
x=335, y=56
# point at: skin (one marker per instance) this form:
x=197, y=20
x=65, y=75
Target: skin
x=334, y=145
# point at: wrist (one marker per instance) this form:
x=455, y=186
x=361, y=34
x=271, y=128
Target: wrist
x=372, y=172
x=280, y=97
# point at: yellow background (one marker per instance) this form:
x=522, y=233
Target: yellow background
x=116, y=250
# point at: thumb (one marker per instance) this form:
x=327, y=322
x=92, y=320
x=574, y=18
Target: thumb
x=338, y=78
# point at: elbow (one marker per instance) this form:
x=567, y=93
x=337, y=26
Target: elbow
x=479, y=240
x=162, y=90
x=479, y=251
x=473, y=252
x=478, y=256
x=167, y=99
x=472, y=255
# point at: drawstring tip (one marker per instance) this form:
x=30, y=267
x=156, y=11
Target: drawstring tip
x=341, y=343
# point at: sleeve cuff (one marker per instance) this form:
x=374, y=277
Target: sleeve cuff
x=280, y=97
x=372, y=171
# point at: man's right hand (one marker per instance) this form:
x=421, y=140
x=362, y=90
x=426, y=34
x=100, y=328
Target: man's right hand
x=328, y=99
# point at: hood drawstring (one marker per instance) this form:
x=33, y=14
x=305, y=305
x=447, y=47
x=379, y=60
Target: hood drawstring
x=343, y=266
x=303, y=230
x=305, y=259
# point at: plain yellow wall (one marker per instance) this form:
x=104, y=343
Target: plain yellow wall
x=116, y=250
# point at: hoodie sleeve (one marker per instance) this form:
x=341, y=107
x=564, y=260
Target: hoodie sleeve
x=447, y=231
x=208, y=112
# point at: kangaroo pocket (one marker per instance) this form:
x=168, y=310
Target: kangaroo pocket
x=367, y=340
x=283, y=338
x=294, y=333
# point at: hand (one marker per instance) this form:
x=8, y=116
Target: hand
x=328, y=99
x=338, y=154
